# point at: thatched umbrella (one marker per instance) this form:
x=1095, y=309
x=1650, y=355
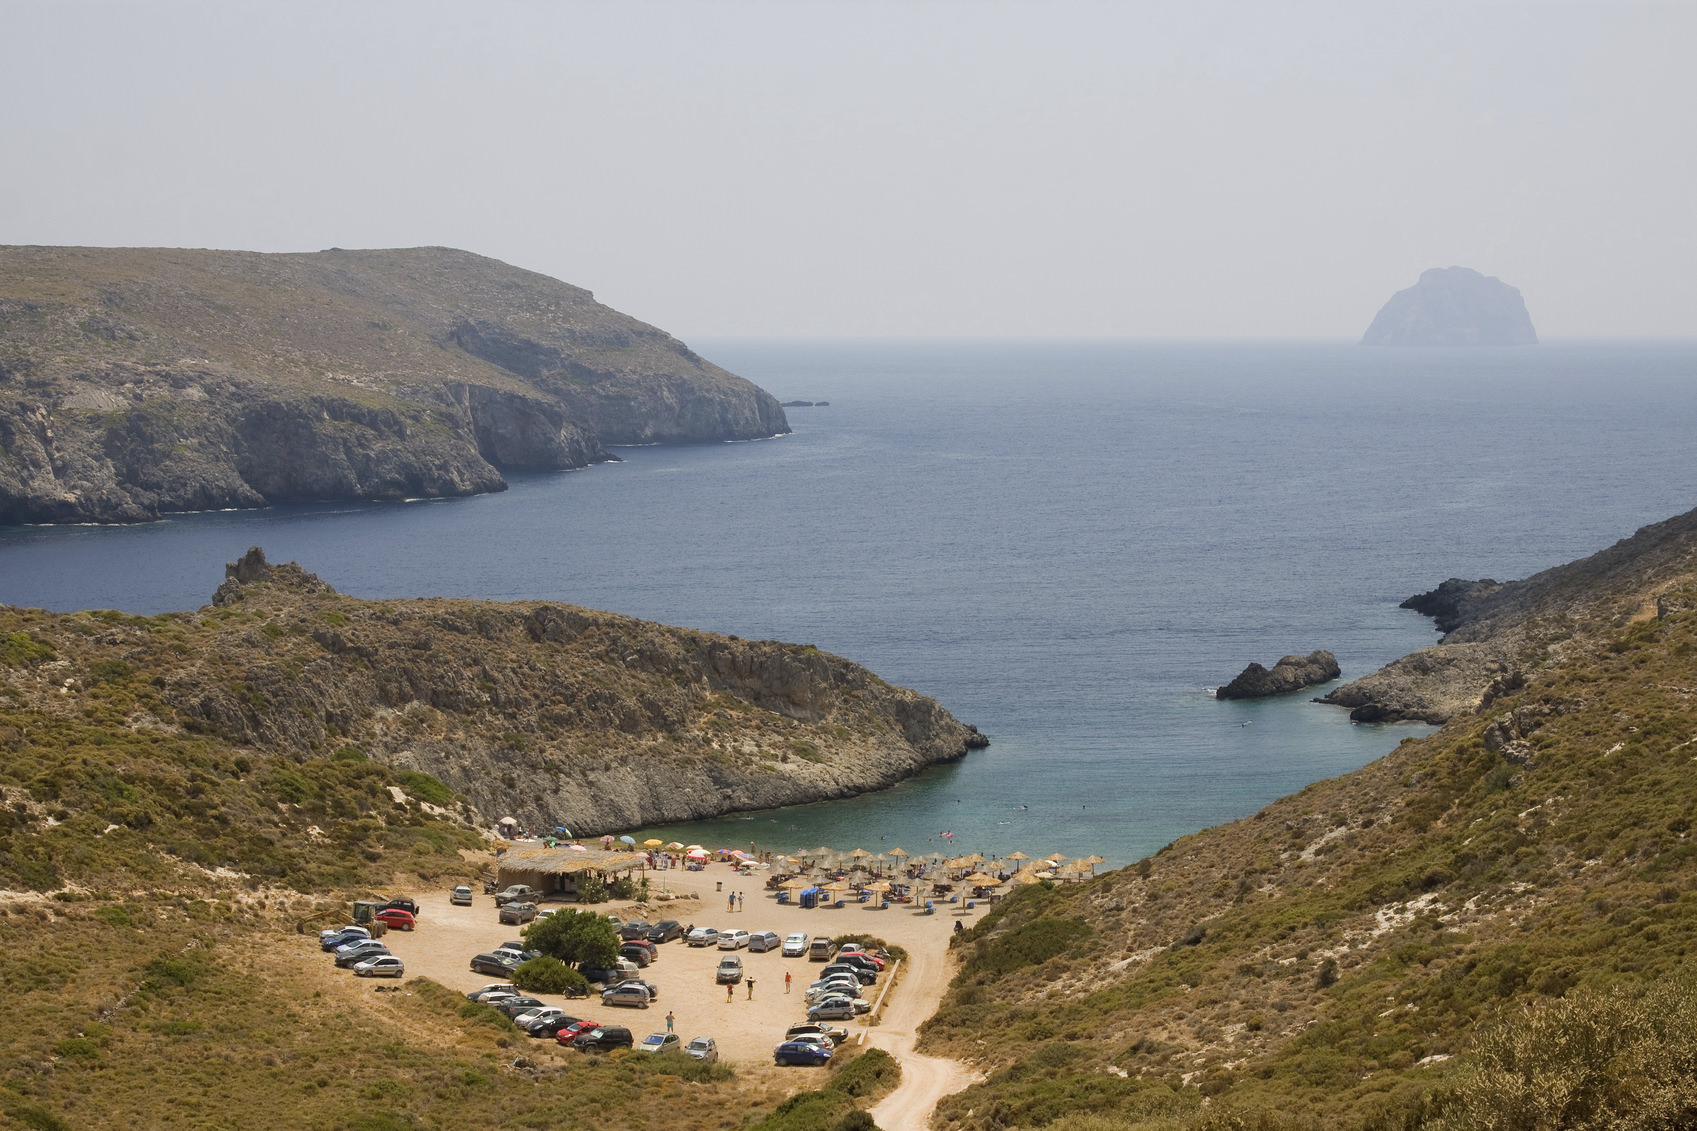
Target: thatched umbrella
x=1018, y=856
x=880, y=887
x=797, y=884
x=859, y=854
x=838, y=887
x=1091, y=860
x=898, y=852
x=979, y=879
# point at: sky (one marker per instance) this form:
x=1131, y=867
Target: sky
x=924, y=168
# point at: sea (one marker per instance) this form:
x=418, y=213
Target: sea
x=1068, y=543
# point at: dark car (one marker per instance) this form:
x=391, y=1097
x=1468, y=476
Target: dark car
x=605, y=1039
x=403, y=904
x=551, y=1026
x=800, y=1052
x=729, y=972
x=761, y=941
x=516, y=913
x=342, y=938
x=665, y=931
x=494, y=965
x=636, y=954
x=653, y=990
x=355, y=951
x=635, y=929
x=859, y=961
x=517, y=1004
x=815, y=1029
x=863, y=976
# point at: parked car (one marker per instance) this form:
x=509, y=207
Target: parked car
x=461, y=896
x=816, y=1029
x=492, y=988
x=703, y=936
x=621, y=969
x=356, y=951
x=879, y=961
x=857, y=960
x=396, y=918
x=759, y=942
x=539, y=1015
x=517, y=913
x=604, y=1039
x=660, y=1042
x=517, y=954
x=653, y=990
x=800, y=1052
x=636, y=954
x=665, y=931
x=822, y=990
x=653, y=949
x=551, y=1027
x=634, y=929
x=832, y=1009
x=569, y=1033
x=381, y=966
x=626, y=993
x=821, y=950
x=730, y=971
x=333, y=939
x=494, y=965
x=733, y=940
x=402, y=904
x=517, y=893
x=795, y=945
x=517, y=1004
x=704, y=1049
x=864, y=977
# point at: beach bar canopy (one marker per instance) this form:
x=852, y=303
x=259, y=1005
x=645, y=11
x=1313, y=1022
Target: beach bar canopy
x=558, y=871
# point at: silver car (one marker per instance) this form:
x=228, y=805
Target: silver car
x=382, y=966
x=704, y=1049
x=626, y=993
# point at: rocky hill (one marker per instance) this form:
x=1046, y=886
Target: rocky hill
x=1453, y=306
x=139, y=381
x=1493, y=926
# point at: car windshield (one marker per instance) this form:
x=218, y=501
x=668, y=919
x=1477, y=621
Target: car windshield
x=700, y=1043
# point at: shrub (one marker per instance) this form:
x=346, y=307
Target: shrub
x=547, y=975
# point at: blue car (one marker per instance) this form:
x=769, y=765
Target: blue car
x=800, y=1052
x=340, y=938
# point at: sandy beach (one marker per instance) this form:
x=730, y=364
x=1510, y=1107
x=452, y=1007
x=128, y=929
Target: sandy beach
x=745, y=1027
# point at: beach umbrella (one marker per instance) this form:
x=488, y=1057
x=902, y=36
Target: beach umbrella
x=797, y=884
x=698, y=854
x=822, y=850
x=694, y=847
x=577, y=847
x=880, y=887
x=631, y=840
x=838, y=886
x=1093, y=860
x=652, y=842
x=975, y=858
x=674, y=846
x=608, y=839
x=1018, y=856
x=1055, y=856
x=859, y=854
x=898, y=852
x=508, y=821
x=979, y=879
x=562, y=830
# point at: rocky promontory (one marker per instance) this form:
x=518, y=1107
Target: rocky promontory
x=550, y=713
x=1453, y=306
x=1291, y=673
x=141, y=381
x=1494, y=634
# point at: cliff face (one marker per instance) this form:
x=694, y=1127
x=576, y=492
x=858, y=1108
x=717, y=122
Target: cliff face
x=550, y=713
x=135, y=382
x=1453, y=306
x=1497, y=633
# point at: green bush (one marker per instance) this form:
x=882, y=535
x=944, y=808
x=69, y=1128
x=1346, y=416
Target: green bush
x=548, y=975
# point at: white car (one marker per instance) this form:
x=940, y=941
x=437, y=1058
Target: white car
x=796, y=945
x=733, y=940
x=382, y=966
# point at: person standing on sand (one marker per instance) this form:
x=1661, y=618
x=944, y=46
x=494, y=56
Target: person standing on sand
x=739, y=901
x=751, y=989
x=669, y=1020
x=786, y=981
x=729, y=990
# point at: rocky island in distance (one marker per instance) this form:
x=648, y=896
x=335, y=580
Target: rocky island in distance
x=1453, y=306
x=1291, y=673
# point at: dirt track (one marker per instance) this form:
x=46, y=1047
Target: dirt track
x=746, y=1030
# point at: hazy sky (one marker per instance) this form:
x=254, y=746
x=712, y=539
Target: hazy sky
x=860, y=168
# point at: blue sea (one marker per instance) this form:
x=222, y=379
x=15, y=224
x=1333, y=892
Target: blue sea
x=1067, y=543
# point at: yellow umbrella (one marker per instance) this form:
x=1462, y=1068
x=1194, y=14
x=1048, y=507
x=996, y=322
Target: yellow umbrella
x=880, y=886
x=973, y=859
x=979, y=879
x=836, y=886
x=652, y=842
x=797, y=884
x=897, y=852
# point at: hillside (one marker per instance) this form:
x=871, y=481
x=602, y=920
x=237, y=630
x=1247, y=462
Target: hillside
x=141, y=381
x=1491, y=926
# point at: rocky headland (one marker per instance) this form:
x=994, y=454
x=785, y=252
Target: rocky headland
x=1291, y=673
x=140, y=381
x=1453, y=306
x=1496, y=633
x=550, y=713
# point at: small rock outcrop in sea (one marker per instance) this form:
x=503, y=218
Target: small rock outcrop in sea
x=1453, y=306
x=1292, y=673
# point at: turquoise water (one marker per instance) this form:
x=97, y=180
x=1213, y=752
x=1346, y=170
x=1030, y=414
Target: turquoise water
x=1065, y=543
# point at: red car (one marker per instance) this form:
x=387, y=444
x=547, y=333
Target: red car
x=569, y=1033
x=396, y=919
